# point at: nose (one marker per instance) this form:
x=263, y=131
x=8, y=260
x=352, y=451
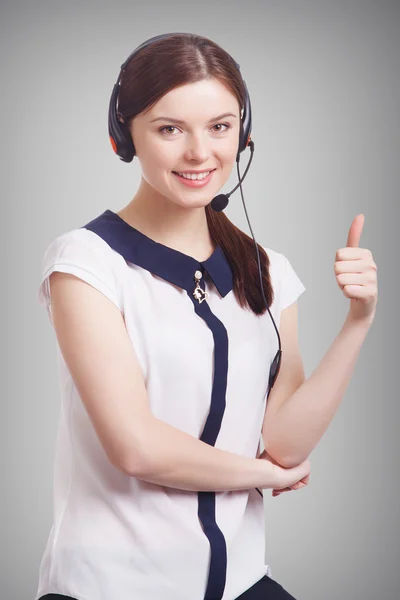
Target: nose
x=197, y=148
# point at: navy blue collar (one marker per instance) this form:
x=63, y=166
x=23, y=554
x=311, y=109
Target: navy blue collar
x=167, y=263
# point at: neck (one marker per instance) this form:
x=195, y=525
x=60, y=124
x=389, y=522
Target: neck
x=178, y=227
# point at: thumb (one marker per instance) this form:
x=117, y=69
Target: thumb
x=355, y=231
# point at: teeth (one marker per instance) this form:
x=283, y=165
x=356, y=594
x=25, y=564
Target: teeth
x=194, y=176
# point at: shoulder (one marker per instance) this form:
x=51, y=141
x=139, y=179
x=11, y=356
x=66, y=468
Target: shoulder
x=80, y=238
x=83, y=246
x=83, y=253
x=276, y=263
x=284, y=279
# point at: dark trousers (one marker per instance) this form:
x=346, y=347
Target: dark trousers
x=56, y=597
x=265, y=589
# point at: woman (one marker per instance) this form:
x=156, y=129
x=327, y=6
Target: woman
x=164, y=373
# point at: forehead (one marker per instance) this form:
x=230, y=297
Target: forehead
x=196, y=101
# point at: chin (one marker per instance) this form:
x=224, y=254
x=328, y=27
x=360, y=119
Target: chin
x=196, y=201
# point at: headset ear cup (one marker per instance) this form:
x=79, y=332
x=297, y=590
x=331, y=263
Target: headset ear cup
x=241, y=141
x=245, y=128
x=120, y=137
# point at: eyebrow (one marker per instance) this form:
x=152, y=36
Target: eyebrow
x=183, y=122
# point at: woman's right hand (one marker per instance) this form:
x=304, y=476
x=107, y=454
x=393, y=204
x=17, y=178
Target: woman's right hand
x=286, y=478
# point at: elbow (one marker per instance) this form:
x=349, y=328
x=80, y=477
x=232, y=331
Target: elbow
x=135, y=460
x=292, y=461
x=284, y=460
x=138, y=462
x=289, y=462
x=133, y=467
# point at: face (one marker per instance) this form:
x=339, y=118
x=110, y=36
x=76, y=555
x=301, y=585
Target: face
x=188, y=137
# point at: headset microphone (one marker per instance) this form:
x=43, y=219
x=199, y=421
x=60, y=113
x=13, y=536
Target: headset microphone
x=221, y=201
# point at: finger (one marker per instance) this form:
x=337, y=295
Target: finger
x=352, y=266
x=353, y=254
x=296, y=486
x=299, y=484
x=354, y=235
x=353, y=279
x=364, y=293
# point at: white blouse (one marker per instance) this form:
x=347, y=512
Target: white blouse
x=206, y=367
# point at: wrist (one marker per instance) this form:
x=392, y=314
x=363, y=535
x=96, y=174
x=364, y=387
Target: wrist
x=364, y=323
x=269, y=474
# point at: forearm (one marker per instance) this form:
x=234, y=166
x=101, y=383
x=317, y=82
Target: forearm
x=179, y=460
x=303, y=418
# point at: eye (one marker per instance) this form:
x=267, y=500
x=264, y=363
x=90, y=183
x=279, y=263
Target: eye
x=167, y=127
x=162, y=129
x=227, y=125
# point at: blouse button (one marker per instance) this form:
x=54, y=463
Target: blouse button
x=198, y=292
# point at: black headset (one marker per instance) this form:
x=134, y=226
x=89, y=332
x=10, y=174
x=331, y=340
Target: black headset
x=123, y=146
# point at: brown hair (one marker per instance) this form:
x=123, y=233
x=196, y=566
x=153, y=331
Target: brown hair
x=162, y=66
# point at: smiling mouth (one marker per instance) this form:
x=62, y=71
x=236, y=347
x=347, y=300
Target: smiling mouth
x=200, y=173
x=195, y=182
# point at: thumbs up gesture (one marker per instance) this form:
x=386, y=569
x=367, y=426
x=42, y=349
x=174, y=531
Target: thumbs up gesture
x=356, y=274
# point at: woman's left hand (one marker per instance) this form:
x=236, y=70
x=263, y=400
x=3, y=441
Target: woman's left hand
x=295, y=486
x=356, y=274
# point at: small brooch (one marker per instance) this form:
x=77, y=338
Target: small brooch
x=198, y=292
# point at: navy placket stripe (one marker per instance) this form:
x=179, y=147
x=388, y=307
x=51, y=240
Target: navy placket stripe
x=206, y=500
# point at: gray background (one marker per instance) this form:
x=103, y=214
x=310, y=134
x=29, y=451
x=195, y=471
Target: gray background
x=324, y=84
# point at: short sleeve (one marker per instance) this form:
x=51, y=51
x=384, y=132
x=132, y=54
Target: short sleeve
x=86, y=255
x=291, y=286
